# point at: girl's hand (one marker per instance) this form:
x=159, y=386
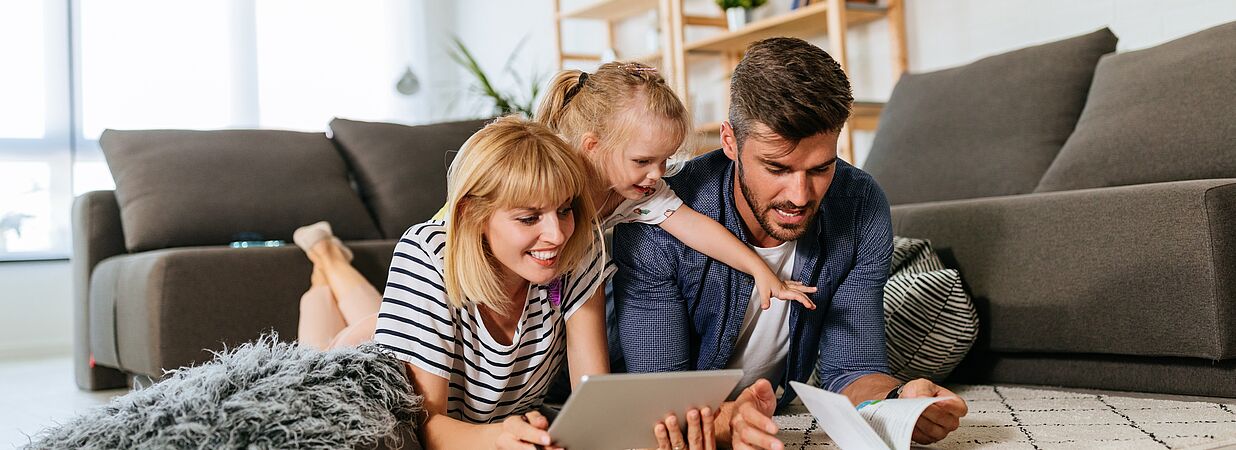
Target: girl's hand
x=699, y=432
x=768, y=286
x=525, y=432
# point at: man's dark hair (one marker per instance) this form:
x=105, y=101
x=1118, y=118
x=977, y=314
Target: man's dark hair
x=791, y=86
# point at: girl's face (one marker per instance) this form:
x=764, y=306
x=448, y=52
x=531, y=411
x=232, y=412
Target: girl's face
x=526, y=240
x=636, y=165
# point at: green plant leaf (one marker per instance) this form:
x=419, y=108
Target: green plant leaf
x=504, y=103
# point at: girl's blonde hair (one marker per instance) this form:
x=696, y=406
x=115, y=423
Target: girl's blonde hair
x=610, y=102
x=509, y=163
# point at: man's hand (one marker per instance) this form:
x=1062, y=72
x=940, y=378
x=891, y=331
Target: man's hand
x=939, y=419
x=746, y=423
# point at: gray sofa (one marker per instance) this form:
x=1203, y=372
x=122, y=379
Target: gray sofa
x=1091, y=208
x=156, y=284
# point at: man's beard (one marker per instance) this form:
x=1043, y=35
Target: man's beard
x=784, y=233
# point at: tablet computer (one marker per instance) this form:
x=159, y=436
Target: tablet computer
x=619, y=411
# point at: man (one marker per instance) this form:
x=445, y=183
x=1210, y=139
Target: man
x=777, y=184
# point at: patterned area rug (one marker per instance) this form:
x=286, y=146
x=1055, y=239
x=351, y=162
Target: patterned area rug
x=1024, y=418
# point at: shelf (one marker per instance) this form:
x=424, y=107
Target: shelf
x=802, y=22
x=865, y=116
x=580, y=57
x=709, y=128
x=610, y=9
x=705, y=21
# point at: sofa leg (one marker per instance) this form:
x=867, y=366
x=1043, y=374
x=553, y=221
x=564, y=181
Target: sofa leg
x=139, y=381
x=98, y=378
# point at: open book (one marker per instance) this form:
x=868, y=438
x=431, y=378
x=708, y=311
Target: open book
x=884, y=424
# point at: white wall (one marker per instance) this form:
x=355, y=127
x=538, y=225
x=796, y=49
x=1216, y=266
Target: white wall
x=35, y=314
x=492, y=31
x=34, y=297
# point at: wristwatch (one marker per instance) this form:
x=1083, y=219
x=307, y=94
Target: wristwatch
x=895, y=393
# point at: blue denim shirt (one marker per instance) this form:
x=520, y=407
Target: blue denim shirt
x=677, y=309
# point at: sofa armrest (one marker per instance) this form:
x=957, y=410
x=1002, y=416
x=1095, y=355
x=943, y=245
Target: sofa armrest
x=97, y=235
x=1145, y=270
x=162, y=309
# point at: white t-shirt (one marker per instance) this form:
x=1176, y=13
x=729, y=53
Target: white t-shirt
x=652, y=209
x=488, y=381
x=764, y=342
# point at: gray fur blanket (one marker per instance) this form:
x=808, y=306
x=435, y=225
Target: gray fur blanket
x=264, y=394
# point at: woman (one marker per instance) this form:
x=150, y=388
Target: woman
x=485, y=308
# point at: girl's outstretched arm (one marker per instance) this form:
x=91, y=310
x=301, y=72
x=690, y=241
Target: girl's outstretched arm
x=710, y=238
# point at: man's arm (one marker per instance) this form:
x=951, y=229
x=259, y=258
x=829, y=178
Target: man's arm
x=652, y=317
x=852, y=340
x=853, y=357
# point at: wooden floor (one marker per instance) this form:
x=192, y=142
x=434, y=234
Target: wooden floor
x=36, y=393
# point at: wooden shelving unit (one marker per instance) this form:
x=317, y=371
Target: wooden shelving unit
x=609, y=9
x=831, y=17
x=802, y=22
x=613, y=11
x=866, y=117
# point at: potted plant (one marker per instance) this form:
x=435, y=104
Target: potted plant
x=505, y=102
x=738, y=12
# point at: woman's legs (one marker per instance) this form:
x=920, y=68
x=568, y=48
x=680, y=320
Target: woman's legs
x=356, y=298
x=320, y=320
x=341, y=307
x=356, y=333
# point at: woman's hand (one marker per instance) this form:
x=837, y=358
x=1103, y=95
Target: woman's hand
x=699, y=432
x=525, y=432
x=768, y=286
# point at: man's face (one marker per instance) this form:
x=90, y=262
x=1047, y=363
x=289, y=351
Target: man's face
x=781, y=183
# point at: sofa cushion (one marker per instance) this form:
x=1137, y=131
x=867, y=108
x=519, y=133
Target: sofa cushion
x=1161, y=114
x=930, y=321
x=401, y=169
x=985, y=129
x=1143, y=270
x=183, y=188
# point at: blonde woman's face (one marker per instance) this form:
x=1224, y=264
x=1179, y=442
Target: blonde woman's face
x=526, y=240
x=638, y=163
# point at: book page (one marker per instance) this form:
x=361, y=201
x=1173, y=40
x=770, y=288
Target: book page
x=894, y=419
x=838, y=418
x=885, y=424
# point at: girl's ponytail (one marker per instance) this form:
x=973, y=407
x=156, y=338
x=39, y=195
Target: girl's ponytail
x=554, y=102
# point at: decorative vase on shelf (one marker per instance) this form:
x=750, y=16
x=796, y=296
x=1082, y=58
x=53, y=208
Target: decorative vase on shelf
x=737, y=17
x=738, y=12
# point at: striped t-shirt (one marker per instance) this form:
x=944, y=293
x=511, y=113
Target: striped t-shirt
x=488, y=381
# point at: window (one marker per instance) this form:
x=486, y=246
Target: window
x=84, y=66
x=35, y=181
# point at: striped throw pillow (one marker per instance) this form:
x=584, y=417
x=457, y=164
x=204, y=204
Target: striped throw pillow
x=930, y=321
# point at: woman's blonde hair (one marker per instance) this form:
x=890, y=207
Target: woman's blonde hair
x=509, y=163
x=610, y=102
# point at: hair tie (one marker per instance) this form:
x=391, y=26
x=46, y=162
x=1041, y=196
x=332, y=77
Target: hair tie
x=583, y=77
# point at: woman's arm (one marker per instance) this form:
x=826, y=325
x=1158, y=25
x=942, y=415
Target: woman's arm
x=710, y=238
x=587, y=353
x=444, y=432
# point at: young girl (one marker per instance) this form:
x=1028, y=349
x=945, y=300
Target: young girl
x=485, y=307
x=627, y=123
